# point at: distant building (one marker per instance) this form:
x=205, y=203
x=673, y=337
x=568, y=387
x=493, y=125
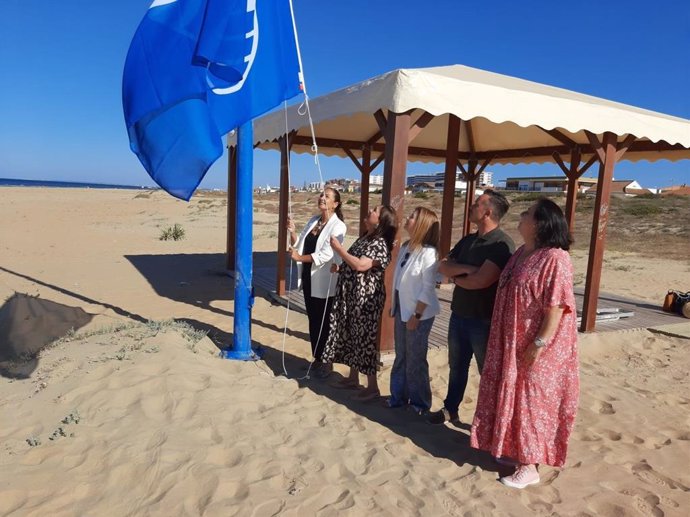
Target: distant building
x=316, y=186
x=376, y=179
x=485, y=179
x=547, y=184
x=675, y=190
x=437, y=180
x=627, y=188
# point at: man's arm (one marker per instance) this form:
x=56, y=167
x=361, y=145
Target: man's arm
x=450, y=269
x=481, y=278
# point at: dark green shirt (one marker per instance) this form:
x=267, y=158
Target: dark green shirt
x=473, y=250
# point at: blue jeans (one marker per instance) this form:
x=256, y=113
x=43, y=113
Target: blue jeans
x=410, y=374
x=466, y=337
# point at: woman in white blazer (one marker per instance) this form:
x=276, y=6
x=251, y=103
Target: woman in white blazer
x=415, y=305
x=313, y=253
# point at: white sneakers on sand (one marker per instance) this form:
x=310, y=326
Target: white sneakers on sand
x=524, y=476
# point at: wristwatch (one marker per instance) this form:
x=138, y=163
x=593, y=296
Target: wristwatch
x=418, y=315
x=539, y=342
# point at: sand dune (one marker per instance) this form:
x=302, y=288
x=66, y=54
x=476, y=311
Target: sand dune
x=145, y=419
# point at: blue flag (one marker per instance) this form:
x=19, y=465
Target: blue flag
x=197, y=69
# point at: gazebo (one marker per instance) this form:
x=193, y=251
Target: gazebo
x=467, y=119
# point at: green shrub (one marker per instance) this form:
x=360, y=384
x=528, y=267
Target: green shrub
x=174, y=233
x=352, y=202
x=642, y=210
x=421, y=195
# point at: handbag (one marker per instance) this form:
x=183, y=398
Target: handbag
x=675, y=300
x=669, y=301
x=681, y=300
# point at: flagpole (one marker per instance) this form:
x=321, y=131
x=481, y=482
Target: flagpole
x=244, y=292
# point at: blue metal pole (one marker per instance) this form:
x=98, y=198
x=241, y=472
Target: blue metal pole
x=244, y=292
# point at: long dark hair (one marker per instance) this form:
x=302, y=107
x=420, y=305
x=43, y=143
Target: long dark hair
x=338, y=209
x=552, y=228
x=388, y=226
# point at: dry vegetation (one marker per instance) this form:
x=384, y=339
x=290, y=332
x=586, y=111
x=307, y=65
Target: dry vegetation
x=649, y=226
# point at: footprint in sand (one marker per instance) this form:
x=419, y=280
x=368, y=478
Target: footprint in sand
x=645, y=502
x=645, y=472
x=604, y=408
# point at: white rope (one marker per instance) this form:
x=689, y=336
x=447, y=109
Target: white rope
x=315, y=150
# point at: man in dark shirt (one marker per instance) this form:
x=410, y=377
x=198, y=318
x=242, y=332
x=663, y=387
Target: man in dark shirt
x=474, y=265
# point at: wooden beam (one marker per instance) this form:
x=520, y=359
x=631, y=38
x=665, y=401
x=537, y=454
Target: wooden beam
x=559, y=161
x=419, y=125
x=469, y=196
x=596, y=146
x=557, y=135
x=470, y=136
x=285, y=143
x=623, y=146
x=447, y=205
x=484, y=165
x=598, y=239
x=571, y=196
x=592, y=160
x=395, y=166
x=232, y=219
x=377, y=162
x=381, y=120
x=536, y=152
x=463, y=170
x=353, y=158
x=374, y=138
x=364, y=189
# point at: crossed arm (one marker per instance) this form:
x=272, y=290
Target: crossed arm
x=470, y=277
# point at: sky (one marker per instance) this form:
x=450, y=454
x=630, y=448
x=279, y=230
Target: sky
x=61, y=68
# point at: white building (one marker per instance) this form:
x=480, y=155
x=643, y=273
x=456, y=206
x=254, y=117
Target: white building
x=376, y=179
x=316, y=186
x=486, y=179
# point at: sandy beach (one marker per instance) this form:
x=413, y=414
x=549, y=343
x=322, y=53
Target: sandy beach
x=129, y=413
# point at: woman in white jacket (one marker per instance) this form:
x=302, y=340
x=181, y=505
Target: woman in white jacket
x=415, y=305
x=313, y=253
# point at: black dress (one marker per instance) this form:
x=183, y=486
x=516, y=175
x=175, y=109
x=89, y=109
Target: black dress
x=318, y=309
x=357, y=309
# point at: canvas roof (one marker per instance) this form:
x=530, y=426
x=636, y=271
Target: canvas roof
x=505, y=114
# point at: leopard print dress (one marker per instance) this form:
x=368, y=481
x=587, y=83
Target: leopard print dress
x=357, y=308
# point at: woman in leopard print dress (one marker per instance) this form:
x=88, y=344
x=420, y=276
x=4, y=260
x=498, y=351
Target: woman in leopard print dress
x=359, y=300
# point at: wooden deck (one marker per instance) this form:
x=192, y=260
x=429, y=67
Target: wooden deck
x=645, y=315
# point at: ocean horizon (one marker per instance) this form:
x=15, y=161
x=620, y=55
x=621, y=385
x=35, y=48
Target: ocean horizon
x=15, y=182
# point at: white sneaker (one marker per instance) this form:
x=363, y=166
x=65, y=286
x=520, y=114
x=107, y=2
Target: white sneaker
x=524, y=476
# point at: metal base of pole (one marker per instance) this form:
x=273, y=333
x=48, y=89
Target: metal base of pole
x=254, y=354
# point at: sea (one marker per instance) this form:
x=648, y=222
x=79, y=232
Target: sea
x=11, y=182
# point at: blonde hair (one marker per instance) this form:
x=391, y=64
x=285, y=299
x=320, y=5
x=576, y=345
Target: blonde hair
x=426, y=231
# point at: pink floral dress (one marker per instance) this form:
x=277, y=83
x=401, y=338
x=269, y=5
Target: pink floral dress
x=527, y=413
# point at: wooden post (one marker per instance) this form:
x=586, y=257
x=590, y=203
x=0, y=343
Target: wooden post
x=232, y=196
x=471, y=178
x=285, y=143
x=607, y=157
x=571, y=196
x=395, y=166
x=448, y=203
x=364, y=188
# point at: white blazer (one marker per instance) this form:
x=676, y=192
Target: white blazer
x=417, y=282
x=323, y=282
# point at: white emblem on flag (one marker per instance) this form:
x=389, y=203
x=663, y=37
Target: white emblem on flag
x=158, y=3
x=253, y=34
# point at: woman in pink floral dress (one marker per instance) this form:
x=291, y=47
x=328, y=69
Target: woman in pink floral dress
x=529, y=390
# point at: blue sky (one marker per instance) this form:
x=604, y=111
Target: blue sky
x=61, y=71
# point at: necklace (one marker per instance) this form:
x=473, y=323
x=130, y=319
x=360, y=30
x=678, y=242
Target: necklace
x=319, y=226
